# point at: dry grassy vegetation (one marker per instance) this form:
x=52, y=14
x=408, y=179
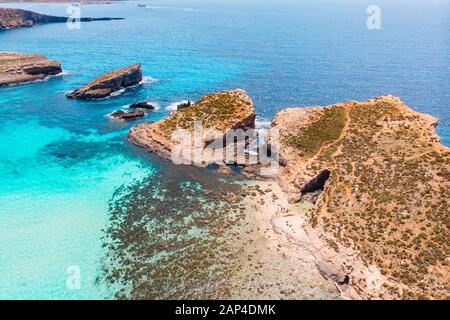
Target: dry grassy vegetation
x=324, y=131
x=220, y=111
x=389, y=193
x=11, y=59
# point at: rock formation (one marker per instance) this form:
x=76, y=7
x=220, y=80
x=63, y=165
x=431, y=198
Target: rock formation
x=108, y=83
x=142, y=105
x=128, y=115
x=384, y=207
x=216, y=113
x=17, y=18
x=18, y=68
x=184, y=105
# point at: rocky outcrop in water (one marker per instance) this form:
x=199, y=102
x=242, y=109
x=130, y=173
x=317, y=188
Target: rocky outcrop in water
x=16, y=68
x=109, y=83
x=216, y=113
x=378, y=225
x=128, y=115
x=18, y=18
x=142, y=105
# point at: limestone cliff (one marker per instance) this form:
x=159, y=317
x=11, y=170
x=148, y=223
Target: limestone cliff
x=378, y=179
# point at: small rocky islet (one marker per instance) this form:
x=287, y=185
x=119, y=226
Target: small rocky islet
x=109, y=83
x=184, y=105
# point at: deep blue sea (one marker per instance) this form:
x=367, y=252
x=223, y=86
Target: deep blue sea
x=62, y=160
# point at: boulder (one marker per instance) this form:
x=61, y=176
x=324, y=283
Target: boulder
x=142, y=104
x=224, y=170
x=128, y=115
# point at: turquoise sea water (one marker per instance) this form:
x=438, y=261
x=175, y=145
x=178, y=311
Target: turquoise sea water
x=62, y=160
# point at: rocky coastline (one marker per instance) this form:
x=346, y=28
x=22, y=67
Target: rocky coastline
x=18, y=18
x=377, y=177
x=373, y=174
x=18, y=68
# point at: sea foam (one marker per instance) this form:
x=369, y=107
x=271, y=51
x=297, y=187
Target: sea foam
x=174, y=105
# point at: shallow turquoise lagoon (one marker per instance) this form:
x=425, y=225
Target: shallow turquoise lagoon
x=61, y=161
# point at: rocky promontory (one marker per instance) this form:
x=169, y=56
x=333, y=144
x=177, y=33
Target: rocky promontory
x=109, y=83
x=215, y=113
x=380, y=179
x=16, y=68
x=17, y=18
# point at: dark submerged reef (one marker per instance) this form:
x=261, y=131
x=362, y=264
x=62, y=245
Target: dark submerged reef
x=173, y=236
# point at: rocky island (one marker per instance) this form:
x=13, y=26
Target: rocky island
x=377, y=179
x=16, y=68
x=109, y=83
x=17, y=18
x=220, y=112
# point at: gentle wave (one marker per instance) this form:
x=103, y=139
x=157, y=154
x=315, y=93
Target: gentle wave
x=117, y=93
x=145, y=80
x=173, y=106
x=43, y=79
x=148, y=80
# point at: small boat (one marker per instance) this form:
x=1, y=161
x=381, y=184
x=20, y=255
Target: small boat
x=142, y=5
